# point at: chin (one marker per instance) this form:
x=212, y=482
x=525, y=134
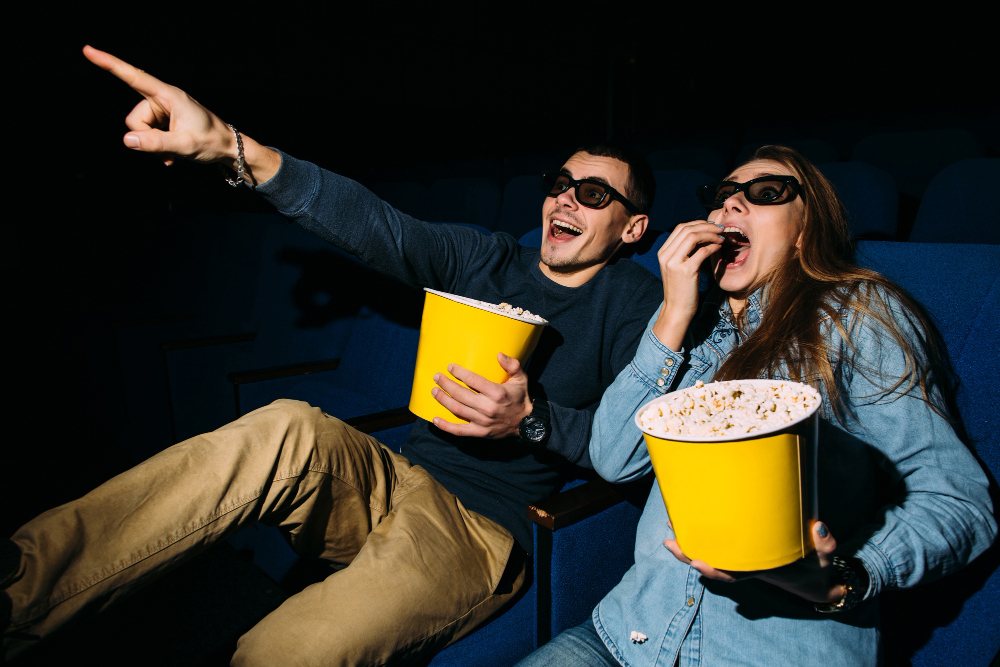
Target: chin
x=733, y=285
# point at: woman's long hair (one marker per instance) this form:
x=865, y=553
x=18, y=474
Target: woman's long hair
x=820, y=281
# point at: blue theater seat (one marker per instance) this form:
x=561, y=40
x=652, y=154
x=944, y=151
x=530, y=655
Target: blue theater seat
x=959, y=204
x=953, y=621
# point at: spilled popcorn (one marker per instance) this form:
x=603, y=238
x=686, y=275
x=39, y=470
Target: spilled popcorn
x=729, y=408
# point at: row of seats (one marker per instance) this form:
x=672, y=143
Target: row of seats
x=876, y=205
x=226, y=349
x=253, y=328
x=576, y=563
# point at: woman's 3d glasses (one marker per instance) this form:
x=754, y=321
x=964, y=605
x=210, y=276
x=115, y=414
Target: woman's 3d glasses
x=762, y=191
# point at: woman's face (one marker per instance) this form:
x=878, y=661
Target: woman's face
x=771, y=232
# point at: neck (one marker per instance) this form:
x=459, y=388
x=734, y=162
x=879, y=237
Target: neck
x=737, y=304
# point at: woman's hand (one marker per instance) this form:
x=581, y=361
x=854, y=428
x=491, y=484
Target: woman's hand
x=170, y=122
x=811, y=578
x=680, y=258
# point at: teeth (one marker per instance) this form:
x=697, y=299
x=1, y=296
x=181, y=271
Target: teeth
x=567, y=226
x=735, y=230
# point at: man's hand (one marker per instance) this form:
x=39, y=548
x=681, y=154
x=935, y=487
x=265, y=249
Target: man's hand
x=492, y=410
x=170, y=122
x=810, y=578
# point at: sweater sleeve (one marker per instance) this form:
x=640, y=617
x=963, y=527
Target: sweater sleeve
x=571, y=429
x=351, y=217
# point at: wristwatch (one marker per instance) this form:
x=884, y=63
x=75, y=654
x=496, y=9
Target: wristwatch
x=536, y=427
x=852, y=574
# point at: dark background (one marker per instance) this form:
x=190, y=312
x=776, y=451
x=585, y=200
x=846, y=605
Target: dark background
x=376, y=93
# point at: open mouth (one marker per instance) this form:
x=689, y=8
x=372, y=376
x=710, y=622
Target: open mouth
x=734, y=244
x=558, y=229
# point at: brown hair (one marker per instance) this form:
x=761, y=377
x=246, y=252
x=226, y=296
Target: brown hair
x=820, y=281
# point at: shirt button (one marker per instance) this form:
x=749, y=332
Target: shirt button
x=664, y=371
x=668, y=362
x=660, y=382
x=690, y=602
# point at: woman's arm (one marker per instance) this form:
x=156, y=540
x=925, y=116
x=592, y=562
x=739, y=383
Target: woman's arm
x=945, y=517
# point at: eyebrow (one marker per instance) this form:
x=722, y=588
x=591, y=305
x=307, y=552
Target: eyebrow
x=758, y=175
x=596, y=179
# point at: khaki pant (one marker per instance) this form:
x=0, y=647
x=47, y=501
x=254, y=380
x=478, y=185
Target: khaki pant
x=420, y=570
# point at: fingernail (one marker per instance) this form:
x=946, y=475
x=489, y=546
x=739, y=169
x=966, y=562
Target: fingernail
x=434, y=392
x=821, y=530
x=131, y=141
x=451, y=368
x=437, y=377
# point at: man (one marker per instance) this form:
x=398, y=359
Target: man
x=429, y=544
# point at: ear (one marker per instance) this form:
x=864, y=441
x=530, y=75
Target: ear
x=635, y=228
x=798, y=241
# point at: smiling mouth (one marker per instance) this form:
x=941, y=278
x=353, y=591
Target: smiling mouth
x=734, y=243
x=560, y=228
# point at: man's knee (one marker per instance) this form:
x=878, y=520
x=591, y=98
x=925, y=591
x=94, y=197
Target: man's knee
x=290, y=419
x=327, y=436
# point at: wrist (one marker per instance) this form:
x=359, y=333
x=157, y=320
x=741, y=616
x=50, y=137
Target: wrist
x=853, y=581
x=536, y=427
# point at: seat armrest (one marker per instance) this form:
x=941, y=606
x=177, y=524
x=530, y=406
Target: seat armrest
x=378, y=421
x=567, y=507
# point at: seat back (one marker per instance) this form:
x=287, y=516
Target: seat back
x=958, y=205
x=870, y=196
x=469, y=199
x=952, y=621
x=914, y=157
x=521, y=205
x=676, y=198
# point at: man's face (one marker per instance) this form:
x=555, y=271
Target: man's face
x=577, y=241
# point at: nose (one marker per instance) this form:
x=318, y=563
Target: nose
x=735, y=203
x=567, y=198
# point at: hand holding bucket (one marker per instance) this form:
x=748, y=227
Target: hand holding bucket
x=470, y=333
x=737, y=500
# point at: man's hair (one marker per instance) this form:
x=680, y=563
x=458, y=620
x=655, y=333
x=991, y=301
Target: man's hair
x=641, y=186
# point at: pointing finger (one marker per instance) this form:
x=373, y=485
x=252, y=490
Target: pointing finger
x=141, y=82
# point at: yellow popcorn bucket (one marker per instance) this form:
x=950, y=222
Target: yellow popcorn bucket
x=459, y=330
x=741, y=503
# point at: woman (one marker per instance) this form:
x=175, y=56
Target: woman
x=904, y=497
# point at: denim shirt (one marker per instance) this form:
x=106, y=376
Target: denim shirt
x=897, y=488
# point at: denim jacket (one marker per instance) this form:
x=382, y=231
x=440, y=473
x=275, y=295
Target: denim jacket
x=897, y=488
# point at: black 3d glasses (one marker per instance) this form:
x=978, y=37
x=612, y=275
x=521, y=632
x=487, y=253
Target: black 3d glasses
x=762, y=191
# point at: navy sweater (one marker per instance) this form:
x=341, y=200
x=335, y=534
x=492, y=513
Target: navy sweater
x=592, y=334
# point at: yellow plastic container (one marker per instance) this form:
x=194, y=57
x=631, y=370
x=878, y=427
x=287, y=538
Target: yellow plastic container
x=740, y=504
x=458, y=330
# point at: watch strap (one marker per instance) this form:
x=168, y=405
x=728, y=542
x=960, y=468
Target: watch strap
x=850, y=573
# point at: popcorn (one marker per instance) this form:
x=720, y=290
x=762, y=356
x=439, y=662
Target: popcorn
x=505, y=308
x=729, y=409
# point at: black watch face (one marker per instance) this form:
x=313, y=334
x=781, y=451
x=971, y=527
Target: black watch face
x=533, y=429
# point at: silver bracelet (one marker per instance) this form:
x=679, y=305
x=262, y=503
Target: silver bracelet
x=240, y=159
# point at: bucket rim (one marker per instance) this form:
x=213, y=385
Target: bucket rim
x=485, y=306
x=755, y=435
